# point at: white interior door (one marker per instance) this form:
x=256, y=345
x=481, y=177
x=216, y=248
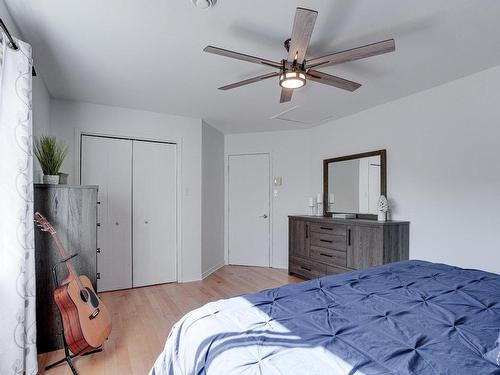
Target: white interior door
x=248, y=200
x=107, y=162
x=154, y=206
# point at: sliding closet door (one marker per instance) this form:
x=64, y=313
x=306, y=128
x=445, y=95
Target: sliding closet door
x=107, y=162
x=154, y=207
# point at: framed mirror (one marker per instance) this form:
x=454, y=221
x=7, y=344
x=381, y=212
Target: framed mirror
x=354, y=183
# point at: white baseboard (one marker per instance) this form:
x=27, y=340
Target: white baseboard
x=211, y=270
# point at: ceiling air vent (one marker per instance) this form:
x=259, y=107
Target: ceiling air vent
x=301, y=115
x=204, y=4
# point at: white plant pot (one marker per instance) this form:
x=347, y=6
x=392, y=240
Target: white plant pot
x=382, y=216
x=51, y=179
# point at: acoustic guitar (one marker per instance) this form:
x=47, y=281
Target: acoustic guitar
x=86, y=321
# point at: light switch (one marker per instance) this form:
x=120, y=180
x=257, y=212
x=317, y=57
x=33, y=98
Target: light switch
x=278, y=181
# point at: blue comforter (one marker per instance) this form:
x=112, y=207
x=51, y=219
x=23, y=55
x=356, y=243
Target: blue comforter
x=410, y=317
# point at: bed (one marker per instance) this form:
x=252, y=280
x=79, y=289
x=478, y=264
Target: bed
x=411, y=317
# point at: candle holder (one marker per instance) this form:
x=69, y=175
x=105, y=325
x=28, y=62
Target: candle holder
x=311, y=210
x=319, y=209
x=311, y=205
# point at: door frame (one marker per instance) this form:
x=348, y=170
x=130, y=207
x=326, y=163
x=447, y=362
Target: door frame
x=226, y=203
x=79, y=133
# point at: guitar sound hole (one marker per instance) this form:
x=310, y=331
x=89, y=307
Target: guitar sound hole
x=84, y=295
x=87, y=295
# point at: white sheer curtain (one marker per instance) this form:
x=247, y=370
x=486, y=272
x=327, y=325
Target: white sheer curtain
x=17, y=258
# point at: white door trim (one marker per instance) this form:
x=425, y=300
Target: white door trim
x=177, y=141
x=226, y=204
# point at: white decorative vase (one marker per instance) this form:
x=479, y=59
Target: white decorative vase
x=51, y=179
x=382, y=216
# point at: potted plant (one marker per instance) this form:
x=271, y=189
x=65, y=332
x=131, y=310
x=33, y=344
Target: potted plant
x=50, y=154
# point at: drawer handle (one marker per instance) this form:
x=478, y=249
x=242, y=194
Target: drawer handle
x=326, y=228
x=326, y=255
x=326, y=241
x=305, y=268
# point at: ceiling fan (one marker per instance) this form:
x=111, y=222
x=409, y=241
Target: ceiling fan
x=295, y=70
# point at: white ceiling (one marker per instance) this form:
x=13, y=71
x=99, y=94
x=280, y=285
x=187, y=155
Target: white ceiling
x=148, y=54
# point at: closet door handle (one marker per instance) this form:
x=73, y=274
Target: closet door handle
x=349, y=237
x=307, y=230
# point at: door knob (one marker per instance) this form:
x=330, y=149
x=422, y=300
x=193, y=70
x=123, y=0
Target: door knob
x=264, y=216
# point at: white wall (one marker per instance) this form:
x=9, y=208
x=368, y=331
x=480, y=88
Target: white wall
x=41, y=108
x=212, y=208
x=69, y=118
x=289, y=151
x=41, y=118
x=443, y=160
x=40, y=95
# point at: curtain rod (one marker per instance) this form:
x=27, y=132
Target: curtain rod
x=12, y=43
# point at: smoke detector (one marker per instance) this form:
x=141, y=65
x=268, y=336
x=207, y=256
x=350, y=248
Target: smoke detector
x=204, y=4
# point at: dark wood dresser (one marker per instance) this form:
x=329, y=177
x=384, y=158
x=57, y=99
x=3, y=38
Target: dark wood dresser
x=72, y=211
x=320, y=246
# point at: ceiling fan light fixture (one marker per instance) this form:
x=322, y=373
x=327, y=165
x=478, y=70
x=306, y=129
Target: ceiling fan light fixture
x=292, y=80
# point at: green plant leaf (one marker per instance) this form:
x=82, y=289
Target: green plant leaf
x=50, y=153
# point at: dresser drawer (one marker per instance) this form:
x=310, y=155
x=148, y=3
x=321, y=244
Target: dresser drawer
x=306, y=268
x=336, y=229
x=329, y=256
x=333, y=270
x=329, y=241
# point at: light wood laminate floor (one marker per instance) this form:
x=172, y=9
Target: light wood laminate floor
x=142, y=318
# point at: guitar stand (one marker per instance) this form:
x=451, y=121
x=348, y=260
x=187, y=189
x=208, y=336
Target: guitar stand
x=68, y=357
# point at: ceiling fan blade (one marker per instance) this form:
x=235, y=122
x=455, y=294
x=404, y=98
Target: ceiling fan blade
x=357, y=53
x=286, y=95
x=248, y=81
x=303, y=26
x=328, y=79
x=241, y=56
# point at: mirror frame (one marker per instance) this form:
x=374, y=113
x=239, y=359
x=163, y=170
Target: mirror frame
x=383, y=178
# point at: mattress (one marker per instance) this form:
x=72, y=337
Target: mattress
x=411, y=317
